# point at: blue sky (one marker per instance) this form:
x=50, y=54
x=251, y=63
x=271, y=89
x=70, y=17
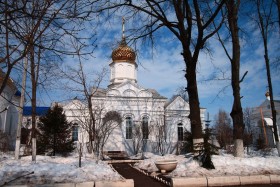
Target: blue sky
x=161, y=67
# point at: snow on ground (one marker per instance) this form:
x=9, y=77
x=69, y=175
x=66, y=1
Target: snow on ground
x=65, y=169
x=53, y=170
x=225, y=164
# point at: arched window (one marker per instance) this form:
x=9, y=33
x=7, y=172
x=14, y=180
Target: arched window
x=128, y=132
x=180, y=132
x=75, y=130
x=145, y=127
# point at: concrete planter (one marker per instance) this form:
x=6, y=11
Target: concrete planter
x=166, y=165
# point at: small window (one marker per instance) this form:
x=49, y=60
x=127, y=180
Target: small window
x=145, y=128
x=180, y=132
x=75, y=131
x=128, y=131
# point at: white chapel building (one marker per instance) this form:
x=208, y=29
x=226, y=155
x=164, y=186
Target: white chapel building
x=162, y=121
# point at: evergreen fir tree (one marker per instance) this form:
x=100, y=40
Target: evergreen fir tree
x=54, y=133
x=209, y=149
x=203, y=155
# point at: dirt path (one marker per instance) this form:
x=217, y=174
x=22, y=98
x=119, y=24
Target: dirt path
x=140, y=180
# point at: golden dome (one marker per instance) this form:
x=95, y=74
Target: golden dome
x=124, y=53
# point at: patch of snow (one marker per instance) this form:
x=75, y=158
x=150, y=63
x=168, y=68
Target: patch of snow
x=225, y=164
x=57, y=169
x=53, y=170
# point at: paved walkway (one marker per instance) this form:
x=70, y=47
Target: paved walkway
x=140, y=180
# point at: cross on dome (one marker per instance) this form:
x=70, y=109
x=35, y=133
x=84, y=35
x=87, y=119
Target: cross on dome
x=123, y=52
x=123, y=22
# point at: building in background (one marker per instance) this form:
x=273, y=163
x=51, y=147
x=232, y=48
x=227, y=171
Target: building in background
x=261, y=118
x=160, y=121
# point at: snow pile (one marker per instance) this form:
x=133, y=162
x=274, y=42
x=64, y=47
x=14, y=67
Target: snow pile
x=225, y=164
x=53, y=170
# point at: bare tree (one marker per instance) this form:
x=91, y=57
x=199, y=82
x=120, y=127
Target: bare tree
x=160, y=137
x=105, y=123
x=109, y=122
x=140, y=136
x=265, y=23
x=223, y=128
x=31, y=28
x=236, y=112
x=80, y=83
x=248, y=131
x=79, y=113
x=17, y=39
x=88, y=93
x=192, y=25
x=232, y=9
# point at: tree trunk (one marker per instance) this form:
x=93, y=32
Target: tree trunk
x=264, y=33
x=236, y=112
x=33, y=103
x=92, y=122
x=17, y=149
x=196, y=125
x=273, y=110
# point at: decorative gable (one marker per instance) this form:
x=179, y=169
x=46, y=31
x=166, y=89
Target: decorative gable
x=129, y=89
x=74, y=105
x=178, y=104
x=113, y=92
x=129, y=93
x=145, y=93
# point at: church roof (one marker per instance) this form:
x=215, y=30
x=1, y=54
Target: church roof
x=173, y=99
x=156, y=94
x=123, y=53
x=40, y=110
x=101, y=92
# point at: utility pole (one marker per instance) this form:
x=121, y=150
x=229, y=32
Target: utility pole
x=23, y=85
